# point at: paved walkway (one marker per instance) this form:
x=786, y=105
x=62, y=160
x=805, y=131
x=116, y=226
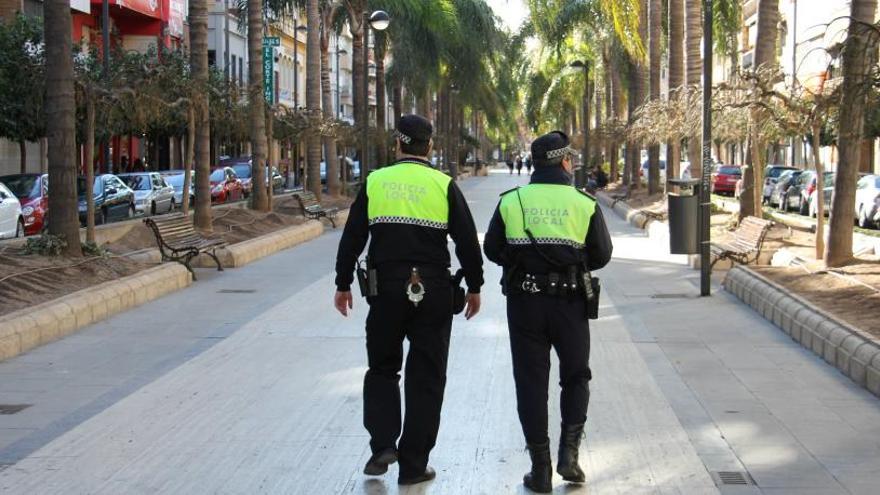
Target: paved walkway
x=247, y=382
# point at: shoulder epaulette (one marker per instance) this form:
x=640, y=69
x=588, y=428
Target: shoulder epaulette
x=509, y=191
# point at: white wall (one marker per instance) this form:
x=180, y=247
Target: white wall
x=10, y=161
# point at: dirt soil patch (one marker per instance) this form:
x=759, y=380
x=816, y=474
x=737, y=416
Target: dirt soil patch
x=30, y=280
x=851, y=293
x=639, y=199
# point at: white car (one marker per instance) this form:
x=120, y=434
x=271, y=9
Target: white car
x=151, y=194
x=868, y=201
x=11, y=221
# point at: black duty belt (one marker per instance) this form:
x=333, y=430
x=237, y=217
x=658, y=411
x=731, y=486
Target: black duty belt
x=399, y=270
x=551, y=284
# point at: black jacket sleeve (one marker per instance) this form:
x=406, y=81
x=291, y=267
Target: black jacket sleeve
x=464, y=234
x=354, y=238
x=495, y=241
x=598, y=243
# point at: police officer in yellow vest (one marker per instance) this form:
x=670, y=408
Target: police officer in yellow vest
x=548, y=236
x=406, y=210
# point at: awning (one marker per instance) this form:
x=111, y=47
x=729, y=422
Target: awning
x=150, y=8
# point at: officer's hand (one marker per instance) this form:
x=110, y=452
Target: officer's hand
x=472, y=307
x=343, y=302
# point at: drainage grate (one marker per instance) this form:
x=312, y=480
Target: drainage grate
x=670, y=296
x=732, y=478
x=13, y=408
x=236, y=291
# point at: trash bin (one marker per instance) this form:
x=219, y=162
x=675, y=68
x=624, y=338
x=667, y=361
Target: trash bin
x=684, y=211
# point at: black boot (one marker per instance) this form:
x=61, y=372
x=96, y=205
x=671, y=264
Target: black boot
x=569, y=442
x=539, y=479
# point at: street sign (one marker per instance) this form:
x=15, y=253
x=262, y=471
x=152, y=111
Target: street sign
x=269, y=73
x=271, y=41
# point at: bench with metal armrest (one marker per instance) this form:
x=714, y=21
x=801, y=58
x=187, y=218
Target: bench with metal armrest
x=746, y=244
x=179, y=241
x=312, y=208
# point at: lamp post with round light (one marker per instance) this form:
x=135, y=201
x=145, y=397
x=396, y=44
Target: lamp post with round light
x=581, y=173
x=378, y=20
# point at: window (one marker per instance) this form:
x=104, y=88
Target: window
x=240, y=71
x=231, y=69
x=212, y=58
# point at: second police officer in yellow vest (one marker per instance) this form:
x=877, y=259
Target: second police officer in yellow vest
x=548, y=236
x=406, y=210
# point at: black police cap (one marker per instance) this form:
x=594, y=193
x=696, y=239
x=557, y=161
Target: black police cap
x=550, y=146
x=414, y=129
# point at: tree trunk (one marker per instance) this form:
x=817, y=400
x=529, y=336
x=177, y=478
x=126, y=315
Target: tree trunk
x=257, y=106
x=694, y=70
x=655, y=49
x=61, y=125
x=820, y=191
x=190, y=157
x=313, y=96
x=90, y=171
x=676, y=77
x=861, y=45
x=398, y=101
x=765, y=56
x=331, y=154
x=22, y=155
x=423, y=104
x=616, y=110
x=380, y=104
x=201, y=136
x=359, y=77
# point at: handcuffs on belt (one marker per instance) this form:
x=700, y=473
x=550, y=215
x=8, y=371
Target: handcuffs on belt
x=415, y=290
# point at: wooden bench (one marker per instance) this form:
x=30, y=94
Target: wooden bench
x=178, y=240
x=746, y=244
x=312, y=208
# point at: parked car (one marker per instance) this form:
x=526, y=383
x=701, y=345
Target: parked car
x=243, y=167
x=780, y=189
x=812, y=209
x=113, y=199
x=277, y=179
x=771, y=177
x=868, y=201
x=644, y=171
x=151, y=194
x=804, y=188
x=724, y=180
x=174, y=178
x=32, y=191
x=11, y=220
x=225, y=185
x=244, y=173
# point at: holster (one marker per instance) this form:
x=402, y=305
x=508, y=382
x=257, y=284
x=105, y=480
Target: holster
x=368, y=279
x=592, y=289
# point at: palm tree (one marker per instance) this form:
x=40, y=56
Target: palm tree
x=313, y=95
x=257, y=113
x=655, y=49
x=693, y=72
x=198, y=21
x=61, y=125
x=859, y=50
x=676, y=75
x=765, y=56
x=328, y=14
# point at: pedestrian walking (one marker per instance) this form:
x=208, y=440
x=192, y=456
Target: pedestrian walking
x=519, y=166
x=510, y=165
x=549, y=237
x=528, y=163
x=406, y=210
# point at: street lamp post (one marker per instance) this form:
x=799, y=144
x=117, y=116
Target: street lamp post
x=705, y=201
x=339, y=51
x=105, y=34
x=378, y=20
x=580, y=174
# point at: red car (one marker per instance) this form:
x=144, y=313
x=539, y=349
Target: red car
x=724, y=180
x=32, y=191
x=225, y=185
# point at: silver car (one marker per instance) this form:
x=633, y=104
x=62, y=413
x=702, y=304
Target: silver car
x=868, y=201
x=151, y=194
x=174, y=178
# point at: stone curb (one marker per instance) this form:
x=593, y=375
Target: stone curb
x=25, y=329
x=852, y=351
x=634, y=217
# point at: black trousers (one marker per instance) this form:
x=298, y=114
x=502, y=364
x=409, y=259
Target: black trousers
x=392, y=318
x=538, y=322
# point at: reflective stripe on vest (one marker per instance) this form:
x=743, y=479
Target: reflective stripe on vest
x=555, y=214
x=408, y=193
